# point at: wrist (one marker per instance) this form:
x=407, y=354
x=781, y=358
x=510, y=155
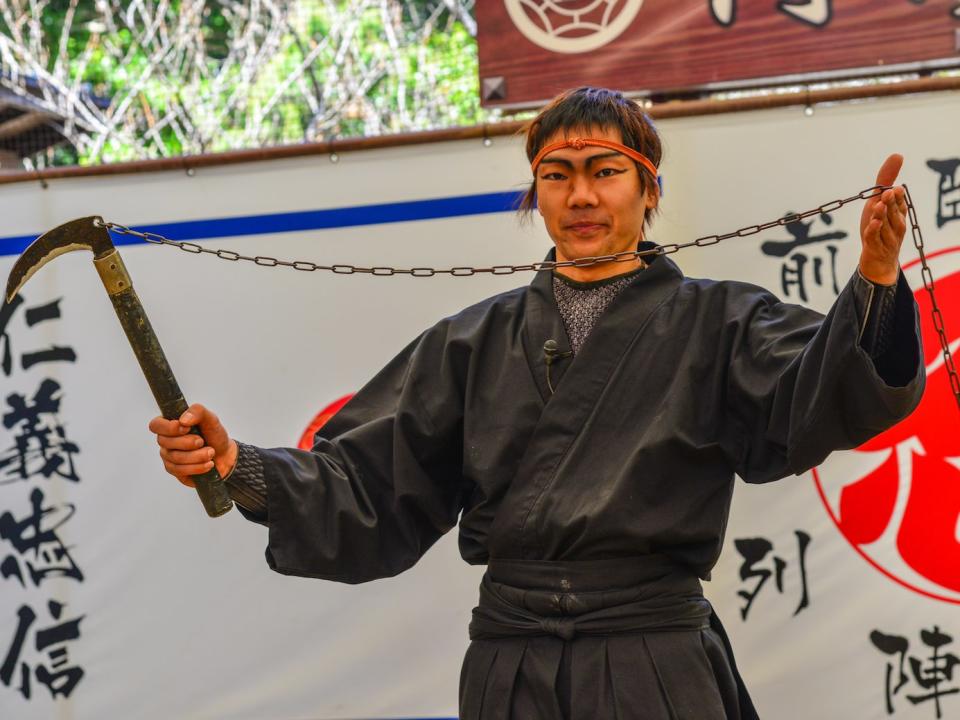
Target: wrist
x=228, y=461
x=880, y=274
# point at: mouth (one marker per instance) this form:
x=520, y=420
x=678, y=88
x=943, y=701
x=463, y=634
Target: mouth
x=584, y=228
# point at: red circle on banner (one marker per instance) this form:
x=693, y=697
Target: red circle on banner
x=917, y=529
x=321, y=419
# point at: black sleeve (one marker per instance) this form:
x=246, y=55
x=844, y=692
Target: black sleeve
x=801, y=385
x=383, y=480
x=883, y=314
x=875, y=307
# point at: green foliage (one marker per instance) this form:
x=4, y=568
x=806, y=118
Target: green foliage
x=415, y=69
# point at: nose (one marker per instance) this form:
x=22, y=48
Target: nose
x=581, y=192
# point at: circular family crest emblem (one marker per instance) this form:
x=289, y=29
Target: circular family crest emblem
x=572, y=26
x=896, y=498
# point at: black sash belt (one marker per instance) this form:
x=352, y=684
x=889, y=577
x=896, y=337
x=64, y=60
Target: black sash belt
x=649, y=593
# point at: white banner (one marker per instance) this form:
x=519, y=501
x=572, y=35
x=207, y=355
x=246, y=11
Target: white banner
x=119, y=598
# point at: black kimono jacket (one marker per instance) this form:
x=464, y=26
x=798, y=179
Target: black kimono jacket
x=682, y=384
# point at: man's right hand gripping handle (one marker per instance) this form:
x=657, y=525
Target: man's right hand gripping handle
x=184, y=454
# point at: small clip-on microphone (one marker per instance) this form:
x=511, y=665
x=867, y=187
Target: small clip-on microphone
x=551, y=352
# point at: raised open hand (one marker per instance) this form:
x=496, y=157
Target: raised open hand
x=883, y=225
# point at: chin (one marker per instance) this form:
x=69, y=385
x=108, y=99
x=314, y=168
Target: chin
x=586, y=248
x=577, y=252
x=580, y=245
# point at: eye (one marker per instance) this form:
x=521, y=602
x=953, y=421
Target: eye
x=553, y=176
x=609, y=172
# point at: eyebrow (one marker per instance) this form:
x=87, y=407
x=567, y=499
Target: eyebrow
x=569, y=164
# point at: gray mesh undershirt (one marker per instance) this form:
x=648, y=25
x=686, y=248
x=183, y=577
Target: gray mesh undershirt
x=581, y=304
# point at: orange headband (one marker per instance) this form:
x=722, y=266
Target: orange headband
x=579, y=143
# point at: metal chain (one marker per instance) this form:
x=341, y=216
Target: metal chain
x=345, y=269
x=927, y=276
x=626, y=256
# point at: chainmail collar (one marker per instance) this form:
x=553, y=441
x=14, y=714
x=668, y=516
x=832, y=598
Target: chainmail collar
x=582, y=303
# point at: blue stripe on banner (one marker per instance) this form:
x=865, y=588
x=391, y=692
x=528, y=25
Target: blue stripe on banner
x=355, y=216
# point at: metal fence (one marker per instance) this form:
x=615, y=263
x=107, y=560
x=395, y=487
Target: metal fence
x=106, y=81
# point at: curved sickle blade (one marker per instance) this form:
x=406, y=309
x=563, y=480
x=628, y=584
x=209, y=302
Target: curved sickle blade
x=82, y=234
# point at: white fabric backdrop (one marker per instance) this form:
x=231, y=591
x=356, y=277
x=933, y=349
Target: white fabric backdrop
x=182, y=618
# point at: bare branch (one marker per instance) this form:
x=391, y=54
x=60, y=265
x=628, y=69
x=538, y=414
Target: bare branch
x=282, y=70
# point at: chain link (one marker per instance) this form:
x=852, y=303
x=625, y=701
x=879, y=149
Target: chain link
x=550, y=265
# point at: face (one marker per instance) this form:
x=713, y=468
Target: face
x=591, y=203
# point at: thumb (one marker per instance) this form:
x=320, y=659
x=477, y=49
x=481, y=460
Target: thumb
x=209, y=425
x=886, y=176
x=890, y=170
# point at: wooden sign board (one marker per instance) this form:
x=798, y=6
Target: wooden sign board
x=532, y=49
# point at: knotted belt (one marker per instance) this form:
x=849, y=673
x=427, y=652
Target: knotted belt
x=649, y=593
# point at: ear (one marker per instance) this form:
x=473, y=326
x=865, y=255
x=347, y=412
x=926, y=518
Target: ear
x=652, y=199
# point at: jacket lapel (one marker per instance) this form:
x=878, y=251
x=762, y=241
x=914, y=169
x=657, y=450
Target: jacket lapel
x=585, y=377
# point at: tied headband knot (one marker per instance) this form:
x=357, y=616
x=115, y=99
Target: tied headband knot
x=578, y=143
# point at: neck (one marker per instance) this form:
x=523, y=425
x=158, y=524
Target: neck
x=600, y=271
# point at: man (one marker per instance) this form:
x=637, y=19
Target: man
x=586, y=430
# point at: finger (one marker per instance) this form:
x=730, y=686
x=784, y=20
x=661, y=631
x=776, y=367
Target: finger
x=896, y=201
x=890, y=170
x=187, y=457
x=180, y=442
x=872, y=232
x=891, y=199
x=183, y=471
x=162, y=426
x=901, y=196
x=890, y=239
x=206, y=421
x=193, y=415
x=186, y=481
x=896, y=206
x=897, y=227
x=201, y=416
x=893, y=231
x=187, y=469
x=896, y=212
x=879, y=211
